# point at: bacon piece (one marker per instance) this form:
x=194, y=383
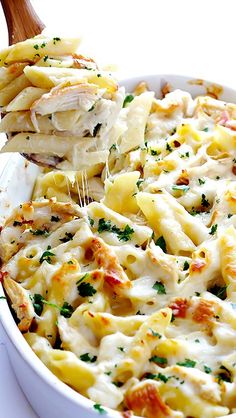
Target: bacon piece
x=204, y=311
x=114, y=275
x=197, y=265
x=234, y=170
x=179, y=307
x=146, y=401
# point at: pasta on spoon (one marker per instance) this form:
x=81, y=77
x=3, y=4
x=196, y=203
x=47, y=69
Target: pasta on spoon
x=58, y=108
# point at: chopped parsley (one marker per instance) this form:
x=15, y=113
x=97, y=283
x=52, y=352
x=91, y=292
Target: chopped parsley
x=70, y=262
x=43, y=45
x=168, y=147
x=99, y=409
x=187, y=363
x=38, y=301
x=229, y=215
x=160, y=288
x=158, y=376
x=2, y=297
x=91, y=221
x=139, y=182
x=186, y=265
x=66, y=310
x=181, y=188
x=27, y=137
x=123, y=235
x=204, y=202
x=40, y=232
x=217, y=177
x=36, y=46
x=113, y=147
x=201, y=181
x=45, y=58
x=97, y=129
x=213, y=229
x=207, y=369
x=91, y=108
x=46, y=256
x=89, y=359
x=154, y=152
x=219, y=291
x=121, y=349
x=186, y=155
x=206, y=129
x=56, y=40
x=129, y=98
x=155, y=334
x=161, y=243
x=68, y=237
x=158, y=360
x=55, y=218
x=86, y=289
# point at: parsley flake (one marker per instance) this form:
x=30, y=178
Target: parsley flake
x=186, y=265
x=168, y=147
x=46, y=256
x=129, y=98
x=207, y=369
x=87, y=358
x=201, y=181
x=187, y=363
x=213, y=229
x=86, y=289
x=99, y=409
x=68, y=237
x=158, y=360
x=161, y=243
x=158, y=376
x=160, y=288
x=204, y=202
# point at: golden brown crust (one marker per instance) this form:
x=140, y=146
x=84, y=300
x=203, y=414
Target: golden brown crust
x=146, y=401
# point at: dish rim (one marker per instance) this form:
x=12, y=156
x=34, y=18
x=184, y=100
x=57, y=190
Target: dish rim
x=6, y=318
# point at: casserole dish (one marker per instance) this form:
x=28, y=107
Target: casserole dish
x=45, y=392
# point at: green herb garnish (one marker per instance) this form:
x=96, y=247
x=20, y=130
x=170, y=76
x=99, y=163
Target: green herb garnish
x=213, y=229
x=187, y=363
x=158, y=360
x=99, y=409
x=87, y=358
x=46, y=256
x=161, y=243
x=129, y=98
x=160, y=288
x=86, y=289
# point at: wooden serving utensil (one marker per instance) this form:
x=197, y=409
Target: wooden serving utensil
x=22, y=21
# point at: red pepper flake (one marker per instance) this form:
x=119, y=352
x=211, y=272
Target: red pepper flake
x=179, y=307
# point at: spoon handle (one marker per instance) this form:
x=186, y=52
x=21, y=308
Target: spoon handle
x=22, y=21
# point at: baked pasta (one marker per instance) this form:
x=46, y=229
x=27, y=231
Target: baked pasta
x=58, y=107
x=130, y=300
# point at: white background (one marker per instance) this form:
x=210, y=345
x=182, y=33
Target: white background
x=195, y=38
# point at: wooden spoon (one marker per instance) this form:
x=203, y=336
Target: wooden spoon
x=23, y=23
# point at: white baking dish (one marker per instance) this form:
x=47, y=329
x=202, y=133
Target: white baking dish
x=48, y=395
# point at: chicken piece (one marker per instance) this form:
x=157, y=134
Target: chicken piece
x=114, y=275
x=20, y=303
